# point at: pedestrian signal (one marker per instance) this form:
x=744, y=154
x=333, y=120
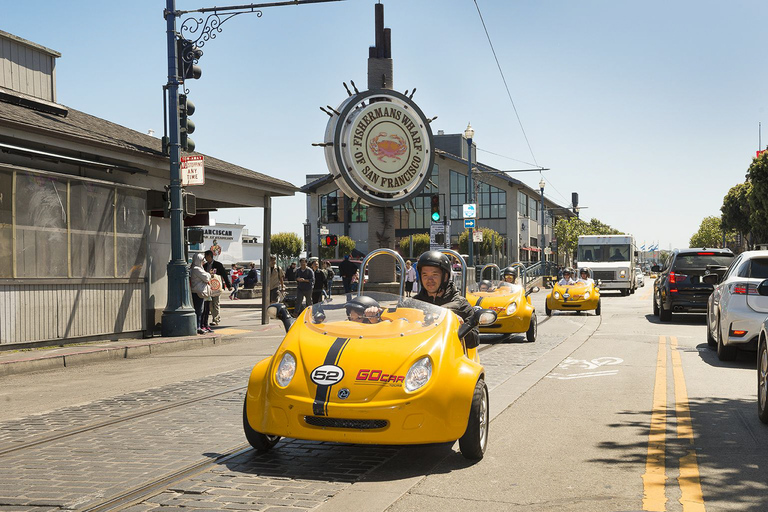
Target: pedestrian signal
x=331, y=240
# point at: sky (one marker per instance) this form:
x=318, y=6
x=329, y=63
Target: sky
x=649, y=110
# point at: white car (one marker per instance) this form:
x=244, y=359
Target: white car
x=735, y=310
x=639, y=277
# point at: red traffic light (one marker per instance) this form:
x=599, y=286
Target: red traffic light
x=331, y=240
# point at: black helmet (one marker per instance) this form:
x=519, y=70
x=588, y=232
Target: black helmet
x=568, y=270
x=434, y=259
x=439, y=260
x=509, y=271
x=486, y=283
x=359, y=304
x=584, y=270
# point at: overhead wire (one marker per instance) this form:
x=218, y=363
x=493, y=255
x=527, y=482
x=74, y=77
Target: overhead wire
x=503, y=78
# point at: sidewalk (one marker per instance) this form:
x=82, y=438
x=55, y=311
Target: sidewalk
x=47, y=358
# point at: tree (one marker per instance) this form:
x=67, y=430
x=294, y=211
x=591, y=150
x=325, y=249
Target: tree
x=595, y=227
x=484, y=248
x=735, y=210
x=286, y=245
x=567, y=232
x=758, y=198
x=420, y=245
x=346, y=246
x=710, y=234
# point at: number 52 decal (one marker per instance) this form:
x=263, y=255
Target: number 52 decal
x=326, y=375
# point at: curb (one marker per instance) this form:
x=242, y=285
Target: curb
x=84, y=355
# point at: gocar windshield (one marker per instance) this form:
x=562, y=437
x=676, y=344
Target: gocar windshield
x=376, y=315
x=494, y=288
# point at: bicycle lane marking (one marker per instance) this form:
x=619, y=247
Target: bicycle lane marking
x=654, y=479
x=689, y=481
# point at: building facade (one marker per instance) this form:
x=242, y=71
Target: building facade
x=82, y=227
x=504, y=204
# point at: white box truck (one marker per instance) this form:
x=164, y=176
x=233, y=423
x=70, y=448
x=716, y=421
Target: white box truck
x=612, y=259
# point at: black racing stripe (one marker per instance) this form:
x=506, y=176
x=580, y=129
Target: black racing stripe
x=320, y=405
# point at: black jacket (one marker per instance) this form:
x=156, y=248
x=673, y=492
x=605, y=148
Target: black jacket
x=451, y=299
x=456, y=302
x=220, y=270
x=347, y=269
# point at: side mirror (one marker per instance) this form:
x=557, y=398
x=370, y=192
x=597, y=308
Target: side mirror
x=280, y=312
x=762, y=288
x=712, y=279
x=535, y=289
x=655, y=268
x=479, y=317
x=272, y=311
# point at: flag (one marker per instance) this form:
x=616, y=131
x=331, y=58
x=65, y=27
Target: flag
x=642, y=247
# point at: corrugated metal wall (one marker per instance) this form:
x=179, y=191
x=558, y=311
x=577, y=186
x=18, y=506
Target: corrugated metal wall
x=39, y=312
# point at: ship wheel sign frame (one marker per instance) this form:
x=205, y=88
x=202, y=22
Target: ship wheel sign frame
x=382, y=147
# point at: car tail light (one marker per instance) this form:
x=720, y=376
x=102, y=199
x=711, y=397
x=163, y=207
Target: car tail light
x=677, y=278
x=705, y=253
x=743, y=289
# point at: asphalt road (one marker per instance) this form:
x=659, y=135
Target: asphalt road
x=617, y=412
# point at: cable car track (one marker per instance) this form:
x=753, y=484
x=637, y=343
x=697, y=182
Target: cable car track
x=114, y=421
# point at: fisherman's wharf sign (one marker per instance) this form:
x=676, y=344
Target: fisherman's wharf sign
x=382, y=148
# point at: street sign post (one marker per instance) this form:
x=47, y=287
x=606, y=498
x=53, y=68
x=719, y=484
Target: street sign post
x=469, y=223
x=192, y=170
x=477, y=236
x=437, y=236
x=470, y=211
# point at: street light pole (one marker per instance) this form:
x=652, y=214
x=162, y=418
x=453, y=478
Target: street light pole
x=179, y=317
x=469, y=133
x=541, y=222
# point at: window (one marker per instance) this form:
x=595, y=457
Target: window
x=533, y=209
x=70, y=227
x=324, y=207
x=522, y=203
x=458, y=194
x=417, y=214
x=492, y=202
x=359, y=211
x=755, y=269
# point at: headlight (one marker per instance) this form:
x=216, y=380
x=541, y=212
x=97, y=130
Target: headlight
x=418, y=375
x=286, y=369
x=586, y=295
x=623, y=274
x=511, y=309
x=556, y=295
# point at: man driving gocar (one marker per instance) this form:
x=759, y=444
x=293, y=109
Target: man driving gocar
x=364, y=310
x=435, y=271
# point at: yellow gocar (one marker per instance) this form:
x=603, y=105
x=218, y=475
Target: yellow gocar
x=512, y=304
x=582, y=296
x=400, y=376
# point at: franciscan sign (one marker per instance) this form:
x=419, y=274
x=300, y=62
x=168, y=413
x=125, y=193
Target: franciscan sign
x=382, y=148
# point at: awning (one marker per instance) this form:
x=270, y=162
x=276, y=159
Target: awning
x=533, y=249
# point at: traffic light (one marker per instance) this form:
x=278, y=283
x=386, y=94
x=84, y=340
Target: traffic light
x=435, y=208
x=331, y=240
x=186, y=126
x=333, y=209
x=186, y=56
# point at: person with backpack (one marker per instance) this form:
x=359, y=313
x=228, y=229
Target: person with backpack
x=329, y=275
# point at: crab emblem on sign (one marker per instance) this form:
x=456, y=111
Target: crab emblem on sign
x=385, y=145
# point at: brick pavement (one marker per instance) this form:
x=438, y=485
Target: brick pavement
x=296, y=475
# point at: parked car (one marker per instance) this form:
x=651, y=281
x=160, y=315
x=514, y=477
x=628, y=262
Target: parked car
x=639, y=277
x=735, y=311
x=762, y=362
x=679, y=287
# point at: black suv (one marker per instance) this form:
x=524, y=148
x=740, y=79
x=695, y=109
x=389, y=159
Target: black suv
x=679, y=288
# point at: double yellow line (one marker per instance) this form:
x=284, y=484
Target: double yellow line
x=655, y=477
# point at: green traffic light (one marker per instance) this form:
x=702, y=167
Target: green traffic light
x=436, y=217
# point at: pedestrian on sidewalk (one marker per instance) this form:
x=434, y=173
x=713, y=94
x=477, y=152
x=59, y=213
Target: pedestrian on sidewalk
x=347, y=270
x=410, y=278
x=329, y=275
x=201, y=292
x=276, y=279
x=235, y=276
x=305, y=282
x=290, y=272
x=251, y=278
x=319, y=286
x=216, y=267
